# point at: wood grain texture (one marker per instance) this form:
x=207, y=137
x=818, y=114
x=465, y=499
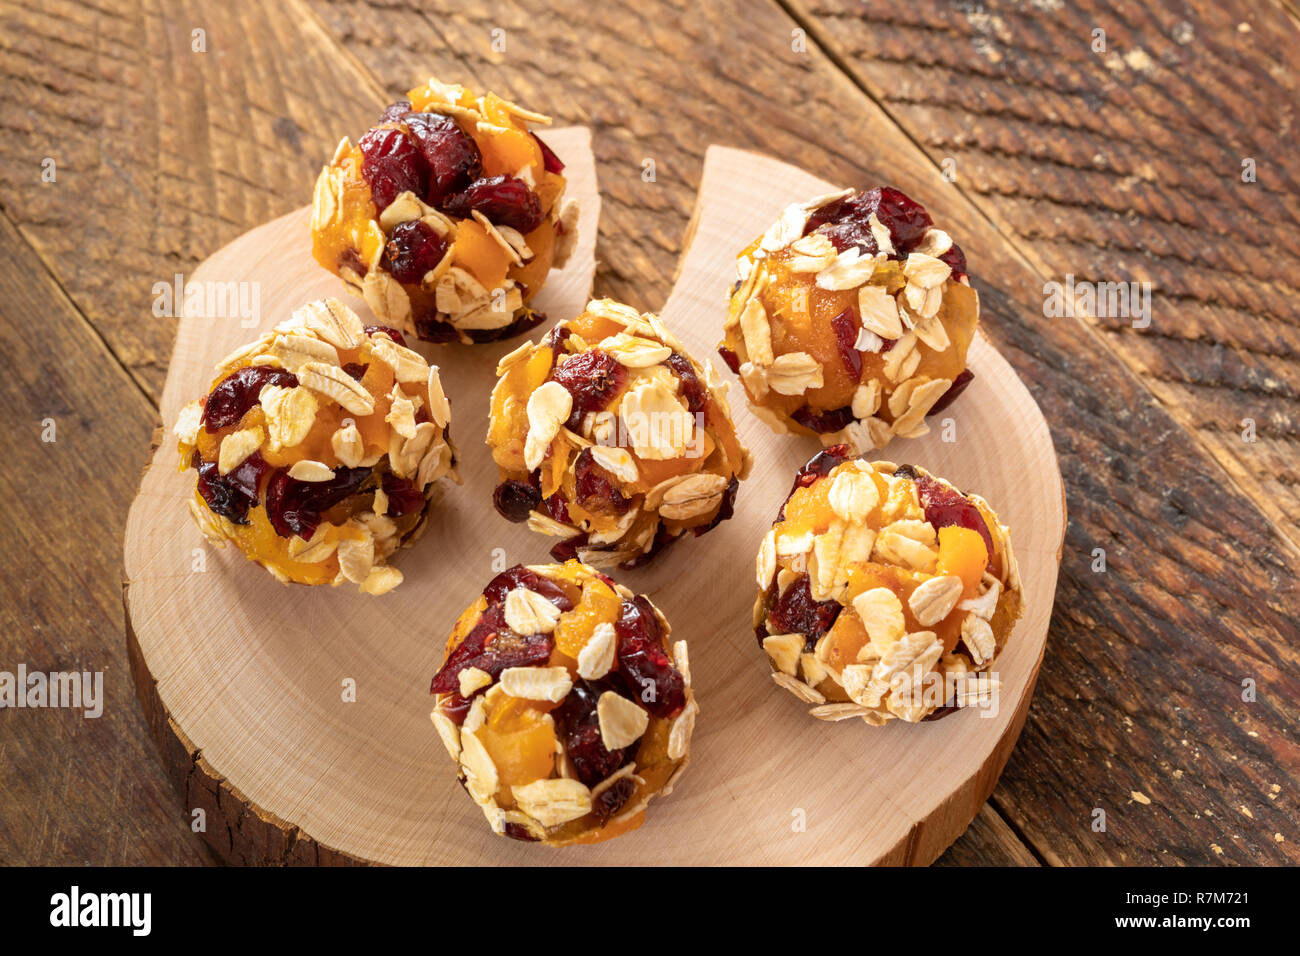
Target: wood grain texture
x=73, y=789
x=256, y=692
x=1141, y=690
x=162, y=154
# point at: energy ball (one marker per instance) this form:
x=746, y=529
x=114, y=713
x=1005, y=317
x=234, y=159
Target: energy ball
x=884, y=592
x=850, y=319
x=562, y=705
x=446, y=216
x=608, y=435
x=318, y=448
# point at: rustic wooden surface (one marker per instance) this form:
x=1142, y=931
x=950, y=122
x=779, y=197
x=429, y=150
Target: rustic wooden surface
x=1108, y=166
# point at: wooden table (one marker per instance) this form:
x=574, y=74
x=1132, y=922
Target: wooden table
x=1167, y=696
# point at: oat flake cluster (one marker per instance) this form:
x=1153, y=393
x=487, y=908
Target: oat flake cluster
x=317, y=448
x=883, y=590
x=561, y=705
x=851, y=319
x=611, y=437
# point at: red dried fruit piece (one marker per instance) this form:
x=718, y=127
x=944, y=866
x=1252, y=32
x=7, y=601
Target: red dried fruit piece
x=846, y=327
x=505, y=200
x=456, y=707
x=557, y=507
x=235, y=394
x=233, y=494
x=403, y=497
x=391, y=164
x=453, y=158
x=796, y=612
x=413, y=248
x=655, y=683
x=956, y=259
x=549, y=159
x=905, y=218
x=520, y=576
x=579, y=728
x=388, y=330
x=517, y=831
x=356, y=370
x=593, y=378
x=823, y=422
x=394, y=111
x=946, y=507
x=567, y=549
x=595, y=487
x=612, y=798
x=492, y=647
x=693, y=389
x=295, y=507
x=964, y=378
x=731, y=359
x=846, y=222
x=515, y=500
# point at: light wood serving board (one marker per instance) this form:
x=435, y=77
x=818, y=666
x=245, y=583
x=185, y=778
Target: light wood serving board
x=242, y=678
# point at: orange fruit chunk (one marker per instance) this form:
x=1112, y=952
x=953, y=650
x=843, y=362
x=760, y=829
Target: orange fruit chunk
x=962, y=553
x=809, y=509
x=478, y=253
x=521, y=741
x=599, y=605
x=844, y=640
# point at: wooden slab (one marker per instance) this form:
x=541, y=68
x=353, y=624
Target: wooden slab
x=250, y=673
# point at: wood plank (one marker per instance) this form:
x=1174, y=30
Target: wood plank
x=1143, y=657
x=73, y=789
x=162, y=154
x=990, y=841
x=1127, y=165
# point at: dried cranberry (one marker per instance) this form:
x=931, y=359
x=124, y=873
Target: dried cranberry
x=731, y=358
x=693, y=389
x=905, y=218
x=413, y=248
x=593, y=378
x=595, y=487
x=295, y=507
x=492, y=647
x=656, y=684
x=235, y=394
x=348, y=259
x=394, y=111
x=403, y=497
x=517, y=831
x=233, y=494
x=456, y=708
x=956, y=259
x=549, y=159
x=356, y=369
x=964, y=378
x=388, y=330
x=567, y=549
x=612, y=798
x=845, y=326
x=453, y=158
x=505, y=200
x=557, y=508
x=823, y=422
x=580, y=731
x=520, y=577
x=392, y=164
x=797, y=613
x=946, y=507
x=515, y=500
x=846, y=222
x=555, y=339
